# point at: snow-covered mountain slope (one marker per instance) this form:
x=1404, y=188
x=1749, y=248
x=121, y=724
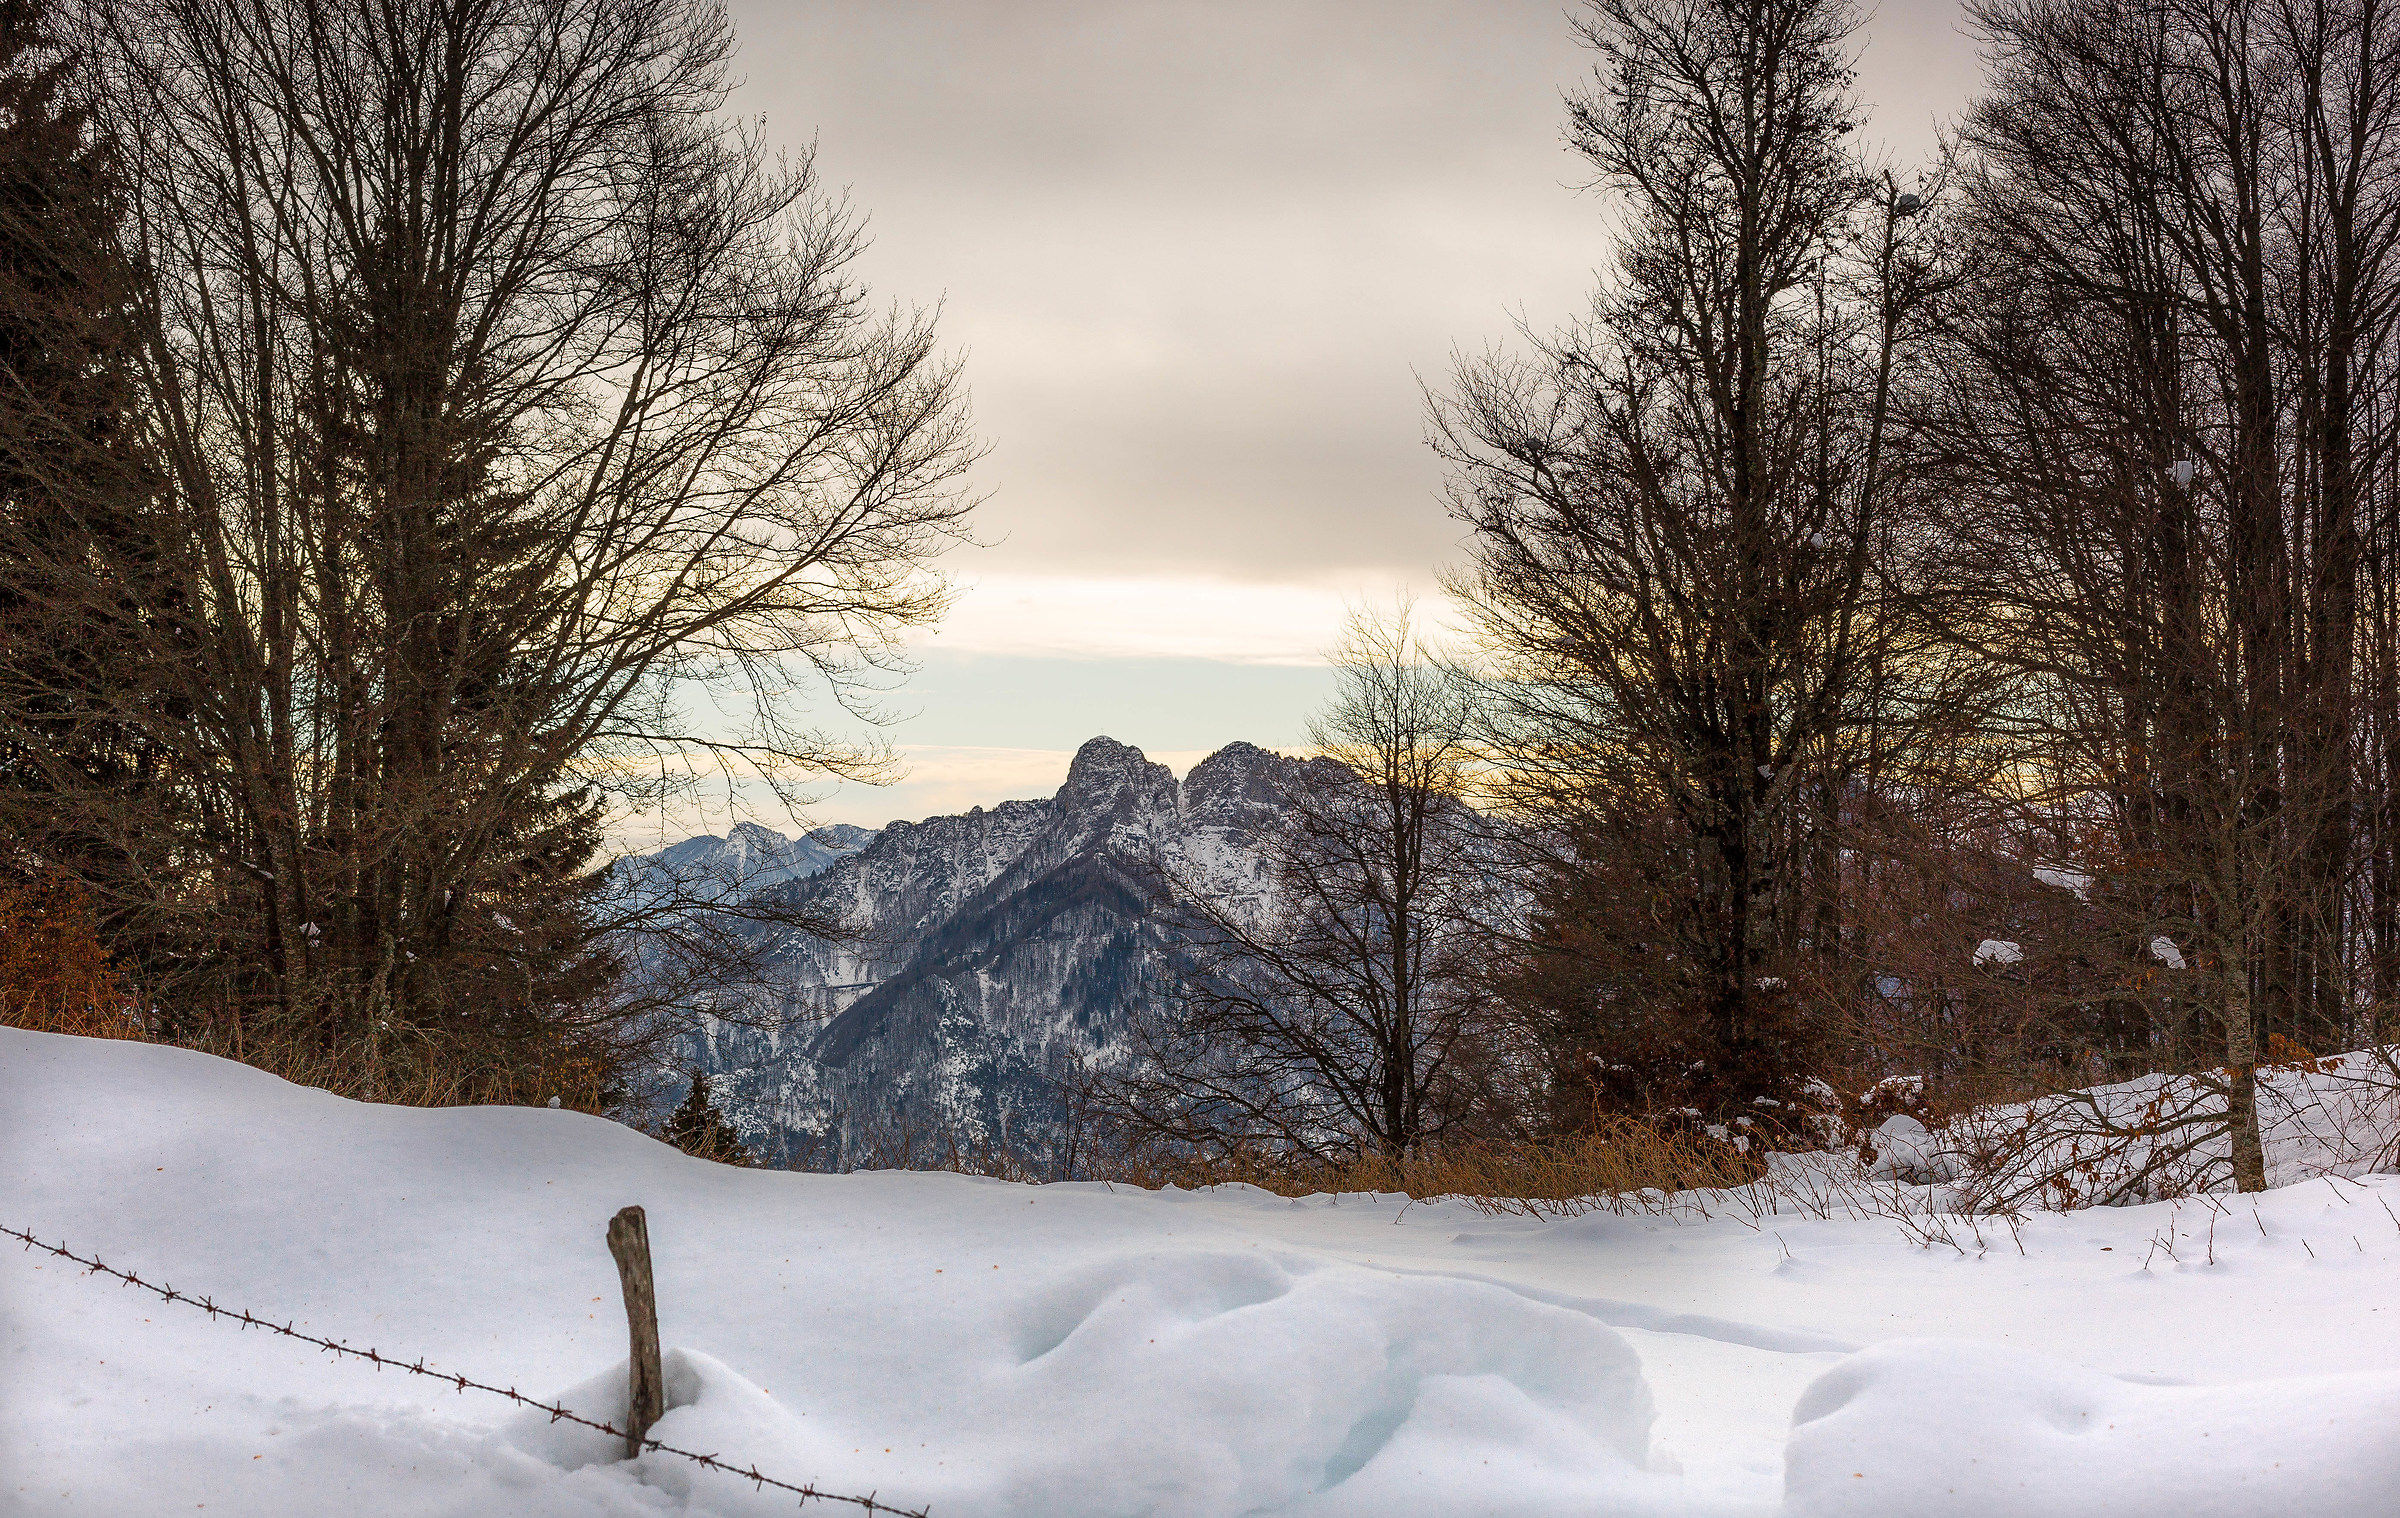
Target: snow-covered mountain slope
x=988, y=953
x=751, y=857
x=1006, y=1351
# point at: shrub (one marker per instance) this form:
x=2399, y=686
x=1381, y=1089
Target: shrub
x=54, y=975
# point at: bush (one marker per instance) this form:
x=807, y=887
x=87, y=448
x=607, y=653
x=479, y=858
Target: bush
x=54, y=975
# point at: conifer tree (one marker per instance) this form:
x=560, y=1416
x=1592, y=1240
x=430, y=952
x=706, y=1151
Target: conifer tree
x=697, y=1127
x=80, y=586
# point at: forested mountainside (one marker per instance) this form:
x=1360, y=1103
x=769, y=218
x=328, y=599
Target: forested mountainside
x=986, y=955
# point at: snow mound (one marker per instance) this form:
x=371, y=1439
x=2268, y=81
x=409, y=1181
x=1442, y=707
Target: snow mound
x=709, y=1409
x=979, y=1347
x=1906, y=1150
x=1247, y=1382
x=1923, y=1426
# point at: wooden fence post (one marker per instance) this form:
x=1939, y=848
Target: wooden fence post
x=646, y=1386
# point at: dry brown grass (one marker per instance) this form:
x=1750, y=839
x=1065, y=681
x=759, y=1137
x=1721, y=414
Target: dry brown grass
x=1621, y=1158
x=1620, y=1162
x=410, y=1072
x=56, y=977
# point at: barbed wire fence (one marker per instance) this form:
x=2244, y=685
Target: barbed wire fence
x=244, y=1318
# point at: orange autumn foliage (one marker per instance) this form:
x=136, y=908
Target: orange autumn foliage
x=55, y=977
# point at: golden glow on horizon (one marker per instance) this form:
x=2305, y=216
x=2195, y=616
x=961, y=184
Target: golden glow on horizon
x=1088, y=617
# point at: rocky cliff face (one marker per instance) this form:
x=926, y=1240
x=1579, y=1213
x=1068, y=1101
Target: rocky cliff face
x=988, y=955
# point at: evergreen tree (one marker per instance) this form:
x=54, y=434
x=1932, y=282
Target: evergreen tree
x=697, y=1127
x=81, y=588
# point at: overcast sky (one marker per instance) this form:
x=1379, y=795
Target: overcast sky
x=1199, y=255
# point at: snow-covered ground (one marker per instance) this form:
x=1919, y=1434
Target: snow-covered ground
x=999, y=1349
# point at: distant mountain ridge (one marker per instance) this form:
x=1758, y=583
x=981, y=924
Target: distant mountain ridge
x=753, y=857
x=988, y=954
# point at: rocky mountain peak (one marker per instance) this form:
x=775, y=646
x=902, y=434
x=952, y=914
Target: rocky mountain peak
x=750, y=856
x=843, y=835
x=1236, y=785
x=1113, y=780
x=756, y=838
x=1103, y=764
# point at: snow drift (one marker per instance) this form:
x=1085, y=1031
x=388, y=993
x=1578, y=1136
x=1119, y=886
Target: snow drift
x=999, y=1349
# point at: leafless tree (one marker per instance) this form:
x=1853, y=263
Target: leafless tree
x=1337, y=1011
x=2175, y=310
x=1681, y=505
x=515, y=408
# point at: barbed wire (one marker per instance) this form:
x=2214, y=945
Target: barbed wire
x=246, y=1319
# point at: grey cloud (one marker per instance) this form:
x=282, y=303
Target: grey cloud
x=1199, y=251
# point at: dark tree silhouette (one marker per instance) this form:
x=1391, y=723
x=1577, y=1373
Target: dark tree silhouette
x=697, y=1127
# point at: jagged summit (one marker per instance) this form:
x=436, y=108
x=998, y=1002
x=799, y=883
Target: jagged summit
x=1108, y=776
x=1237, y=775
x=1104, y=767
x=1238, y=752
x=1104, y=755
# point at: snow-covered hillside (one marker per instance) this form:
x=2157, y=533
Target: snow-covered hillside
x=995, y=1349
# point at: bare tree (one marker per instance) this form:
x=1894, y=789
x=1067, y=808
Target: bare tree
x=1337, y=1011
x=2178, y=296
x=514, y=407
x=1679, y=507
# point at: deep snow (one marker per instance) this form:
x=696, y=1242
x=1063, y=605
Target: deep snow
x=1000, y=1349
